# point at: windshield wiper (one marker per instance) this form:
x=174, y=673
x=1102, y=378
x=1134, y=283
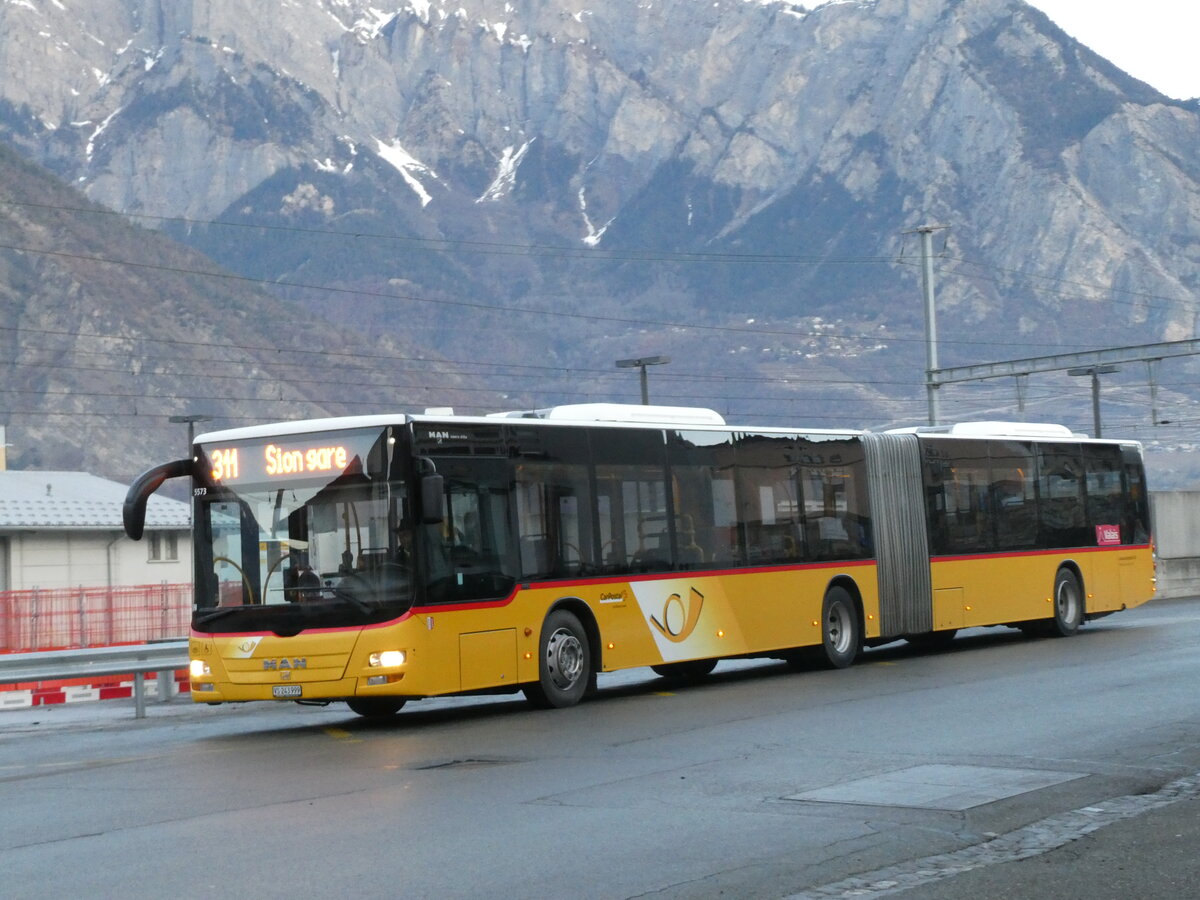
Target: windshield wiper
x=348, y=597
x=213, y=616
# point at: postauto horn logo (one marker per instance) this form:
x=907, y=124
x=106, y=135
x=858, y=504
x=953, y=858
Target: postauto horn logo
x=678, y=619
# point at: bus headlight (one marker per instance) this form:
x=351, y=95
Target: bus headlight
x=387, y=658
x=198, y=668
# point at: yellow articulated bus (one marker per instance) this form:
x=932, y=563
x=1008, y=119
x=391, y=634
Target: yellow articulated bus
x=380, y=559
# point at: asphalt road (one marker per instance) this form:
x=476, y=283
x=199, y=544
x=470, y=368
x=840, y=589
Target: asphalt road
x=1004, y=766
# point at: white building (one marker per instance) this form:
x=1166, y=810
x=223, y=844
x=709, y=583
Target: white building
x=64, y=530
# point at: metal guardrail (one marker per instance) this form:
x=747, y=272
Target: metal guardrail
x=136, y=660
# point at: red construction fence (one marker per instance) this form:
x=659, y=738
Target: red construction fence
x=68, y=618
x=65, y=618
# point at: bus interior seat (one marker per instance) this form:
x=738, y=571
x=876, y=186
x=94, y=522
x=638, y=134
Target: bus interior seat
x=653, y=547
x=690, y=552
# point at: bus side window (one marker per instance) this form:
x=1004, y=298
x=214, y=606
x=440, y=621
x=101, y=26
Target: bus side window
x=1014, y=495
x=555, y=535
x=959, y=497
x=1135, y=528
x=631, y=500
x=836, y=515
x=471, y=553
x=702, y=487
x=768, y=500
x=1061, y=509
x=1105, y=500
x=552, y=495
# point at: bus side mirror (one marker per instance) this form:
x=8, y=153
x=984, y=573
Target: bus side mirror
x=433, y=500
x=133, y=512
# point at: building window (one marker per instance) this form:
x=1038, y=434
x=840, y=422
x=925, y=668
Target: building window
x=164, y=546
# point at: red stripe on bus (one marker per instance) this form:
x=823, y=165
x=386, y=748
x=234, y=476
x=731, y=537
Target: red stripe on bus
x=564, y=583
x=1062, y=551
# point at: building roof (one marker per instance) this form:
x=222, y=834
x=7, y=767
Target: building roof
x=77, y=500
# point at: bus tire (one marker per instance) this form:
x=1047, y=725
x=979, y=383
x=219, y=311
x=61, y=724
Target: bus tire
x=564, y=663
x=1068, y=605
x=375, y=707
x=684, y=672
x=841, y=637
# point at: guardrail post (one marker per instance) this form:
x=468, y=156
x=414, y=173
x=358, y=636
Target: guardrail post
x=166, y=685
x=139, y=695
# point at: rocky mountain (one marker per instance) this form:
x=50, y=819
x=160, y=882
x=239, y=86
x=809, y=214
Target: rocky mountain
x=533, y=189
x=108, y=330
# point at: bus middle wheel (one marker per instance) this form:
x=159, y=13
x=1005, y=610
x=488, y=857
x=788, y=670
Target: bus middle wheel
x=841, y=637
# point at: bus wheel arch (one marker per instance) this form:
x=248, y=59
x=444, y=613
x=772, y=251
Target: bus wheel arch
x=568, y=647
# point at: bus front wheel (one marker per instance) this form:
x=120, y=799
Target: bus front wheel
x=375, y=707
x=564, y=663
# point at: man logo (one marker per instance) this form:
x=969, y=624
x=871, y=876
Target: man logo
x=679, y=619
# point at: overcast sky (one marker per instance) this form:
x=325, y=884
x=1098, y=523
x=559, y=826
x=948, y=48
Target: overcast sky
x=1153, y=40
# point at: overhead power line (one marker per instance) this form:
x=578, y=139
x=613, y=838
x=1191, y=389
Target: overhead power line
x=600, y=254
x=597, y=254
x=492, y=307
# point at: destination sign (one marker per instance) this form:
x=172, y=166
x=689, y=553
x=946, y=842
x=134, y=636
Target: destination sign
x=291, y=456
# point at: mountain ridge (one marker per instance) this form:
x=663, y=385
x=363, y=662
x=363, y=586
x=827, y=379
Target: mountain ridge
x=648, y=178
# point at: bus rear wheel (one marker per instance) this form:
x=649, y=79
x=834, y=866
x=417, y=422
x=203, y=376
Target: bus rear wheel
x=1068, y=605
x=564, y=663
x=375, y=707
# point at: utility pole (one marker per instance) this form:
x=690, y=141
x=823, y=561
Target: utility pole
x=931, y=354
x=1095, y=372
x=1152, y=371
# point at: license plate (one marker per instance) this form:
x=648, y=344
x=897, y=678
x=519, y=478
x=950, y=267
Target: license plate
x=287, y=690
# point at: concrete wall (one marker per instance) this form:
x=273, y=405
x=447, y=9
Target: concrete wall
x=1177, y=541
x=49, y=559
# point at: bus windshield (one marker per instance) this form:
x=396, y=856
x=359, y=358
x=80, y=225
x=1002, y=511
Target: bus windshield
x=308, y=549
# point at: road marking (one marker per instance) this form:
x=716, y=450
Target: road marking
x=1032, y=840
x=341, y=735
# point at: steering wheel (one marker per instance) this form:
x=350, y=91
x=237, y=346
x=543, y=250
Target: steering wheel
x=300, y=591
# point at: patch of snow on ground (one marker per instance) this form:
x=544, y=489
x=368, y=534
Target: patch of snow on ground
x=408, y=167
x=592, y=238
x=506, y=175
x=91, y=144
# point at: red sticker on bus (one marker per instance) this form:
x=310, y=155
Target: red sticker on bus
x=1107, y=535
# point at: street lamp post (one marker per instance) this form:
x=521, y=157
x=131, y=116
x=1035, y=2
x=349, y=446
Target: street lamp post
x=1095, y=372
x=641, y=363
x=191, y=421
